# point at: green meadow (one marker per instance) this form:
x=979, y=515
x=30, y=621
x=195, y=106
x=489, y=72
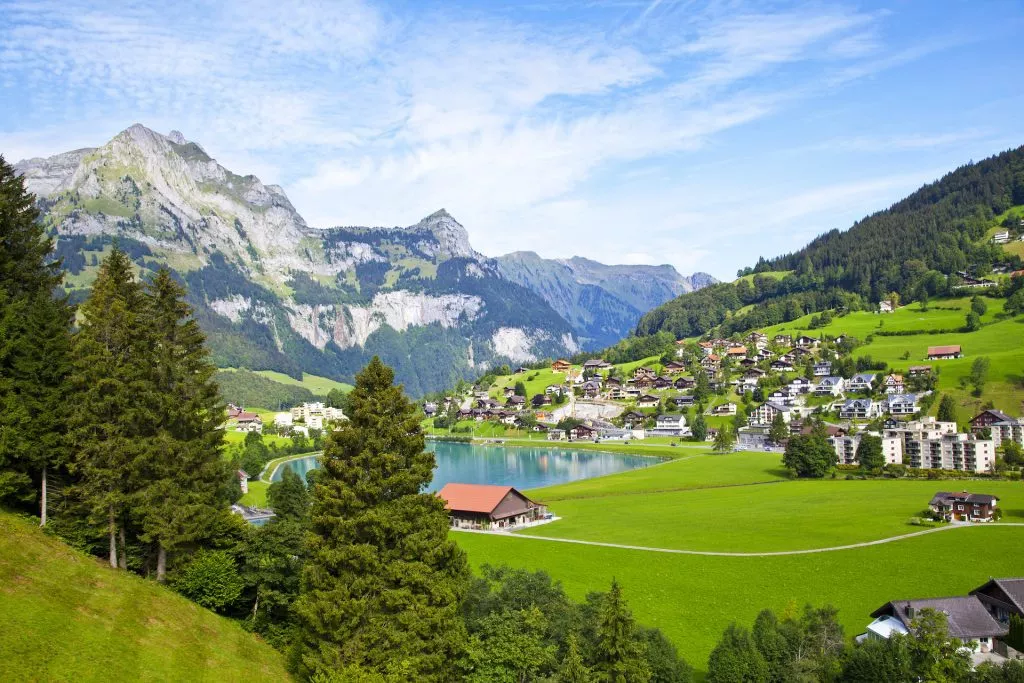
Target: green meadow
x=320, y=386
x=744, y=502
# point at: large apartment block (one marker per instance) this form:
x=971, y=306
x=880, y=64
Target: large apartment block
x=930, y=444
x=846, y=448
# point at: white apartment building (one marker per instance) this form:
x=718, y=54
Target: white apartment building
x=846, y=448
x=315, y=414
x=930, y=444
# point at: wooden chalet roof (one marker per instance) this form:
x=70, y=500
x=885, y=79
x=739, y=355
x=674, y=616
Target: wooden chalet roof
x=943, y=350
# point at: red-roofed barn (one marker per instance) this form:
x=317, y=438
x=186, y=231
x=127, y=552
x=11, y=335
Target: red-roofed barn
x=483, y=506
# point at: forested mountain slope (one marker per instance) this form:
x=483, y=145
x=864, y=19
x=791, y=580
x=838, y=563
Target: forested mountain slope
x=909, y=248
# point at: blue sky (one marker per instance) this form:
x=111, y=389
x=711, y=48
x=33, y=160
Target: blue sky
x=701, y=134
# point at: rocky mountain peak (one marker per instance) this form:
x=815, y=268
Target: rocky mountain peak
x=452, y=237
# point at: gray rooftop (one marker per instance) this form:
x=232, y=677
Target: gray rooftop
x=966, y=616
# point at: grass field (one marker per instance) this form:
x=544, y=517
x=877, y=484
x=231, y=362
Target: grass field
x=321, y=386
x=701, y=503
x=65, y=617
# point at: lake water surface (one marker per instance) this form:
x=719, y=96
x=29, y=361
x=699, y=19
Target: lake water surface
x=521, y=467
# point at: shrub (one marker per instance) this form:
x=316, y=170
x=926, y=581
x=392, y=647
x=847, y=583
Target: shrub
x=211, y=579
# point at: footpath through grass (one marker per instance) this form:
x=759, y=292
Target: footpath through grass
x=65, y=617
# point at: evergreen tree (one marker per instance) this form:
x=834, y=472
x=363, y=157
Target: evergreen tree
x=34, y=349
x=620, y=656
x=778, y=431
x=877, y=660
x=111, y=381
x=736, y=659
x=869, y=452
x=724, y=439
x=573, y=670
x=947, y=409
x=185, y=473
x=699, y=428
x=382, y=583
x=289, y=498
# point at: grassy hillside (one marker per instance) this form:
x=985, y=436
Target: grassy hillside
x=63, y=617
x=321, y=386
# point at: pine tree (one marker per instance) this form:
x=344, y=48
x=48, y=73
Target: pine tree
x=573, y=670
x=184, y=475
x=778, y=431
x=947, y=409
x=110, y=381
x=288, y=498
x=620, y=656
x=34, y=348
x=724, y=439
x=382, y=584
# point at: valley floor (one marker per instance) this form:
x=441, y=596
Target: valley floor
x=742, y=504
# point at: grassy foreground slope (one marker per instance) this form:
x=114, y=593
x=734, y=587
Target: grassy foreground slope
x=63, y=616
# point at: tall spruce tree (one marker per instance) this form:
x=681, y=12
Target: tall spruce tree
x=620, y=654
x=110, y=414
x=34, y=348
x=184, y=473
x=382, y=584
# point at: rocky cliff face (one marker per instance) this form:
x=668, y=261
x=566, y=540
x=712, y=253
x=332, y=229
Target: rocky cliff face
x=273, y=292
x=601, y=302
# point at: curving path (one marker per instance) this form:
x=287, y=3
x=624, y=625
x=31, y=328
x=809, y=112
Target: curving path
x=716, y=553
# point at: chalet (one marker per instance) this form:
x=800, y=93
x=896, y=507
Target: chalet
x=783, y=339
x=863, y=381
x=644, y=372
x=711, y=362
x=683, y=383
x=429, y=409
x=808, y=341
x=800, y=353
x=724, y=409
x=757, y=339
x=901, y=404
x=662, y=382
x=675, y=367
x=596, y=364
x=707, y=348
x=782, y=366
x=583, y=432
x=521, y=369
x=893, y=383
x=633, y=419
x=556, y=435
x=670, y=425
x=967, y=619
x=748, y=362
x=800, y=385
x=642, y=382
x=764, y=354
x=737, y=353
x=765, y=414
x=249, y=422
x=964, y=506
x=648, y=401
x=682, y=401
x=509, y=392
x=754, y=373
x=822, y=368
x=1002, y=598
x=561, y=365
x=234, y=411
x=613, y=383
x=482, y=506
x=945, y=352
x=540, y=400
x=859, y=409
x=986, y=418
x=919, y=370
x=830, y=386
x=591, y=389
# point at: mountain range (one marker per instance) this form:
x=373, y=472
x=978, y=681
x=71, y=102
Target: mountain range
x=274, y=293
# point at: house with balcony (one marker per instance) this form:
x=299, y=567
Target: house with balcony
x=670, y=425
x=822, y=368
x=901, y=404
x=863, y=381
x=859, y=409
x=893, y=383
x=829, y=386
x=964, y=506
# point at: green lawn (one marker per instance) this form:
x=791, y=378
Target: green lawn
x=66, y=617
x=540, y=381
x=774, y=274
x=693, y=598
x=701, y=503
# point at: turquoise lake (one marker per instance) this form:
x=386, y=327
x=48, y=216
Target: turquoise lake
x=521, y=467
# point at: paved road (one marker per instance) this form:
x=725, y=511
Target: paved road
x=714, y=553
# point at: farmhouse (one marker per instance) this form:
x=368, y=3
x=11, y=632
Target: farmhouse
x=967, y=620
x=964, y=506
x=1002, y=598
x=919, y=370
x=249, y=422
x=561, y=365
x=481, y=506
x=945, y=352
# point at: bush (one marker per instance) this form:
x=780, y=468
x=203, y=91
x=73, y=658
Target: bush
x=211, y=579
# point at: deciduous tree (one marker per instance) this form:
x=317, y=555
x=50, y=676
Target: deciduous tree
x=869, y=452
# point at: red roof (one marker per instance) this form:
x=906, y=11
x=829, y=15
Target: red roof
x=943, y=350
x=247, y=417
x=481, y=498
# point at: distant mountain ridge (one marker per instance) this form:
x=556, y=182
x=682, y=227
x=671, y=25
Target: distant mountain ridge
x=275, y=293
x=603, y=303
